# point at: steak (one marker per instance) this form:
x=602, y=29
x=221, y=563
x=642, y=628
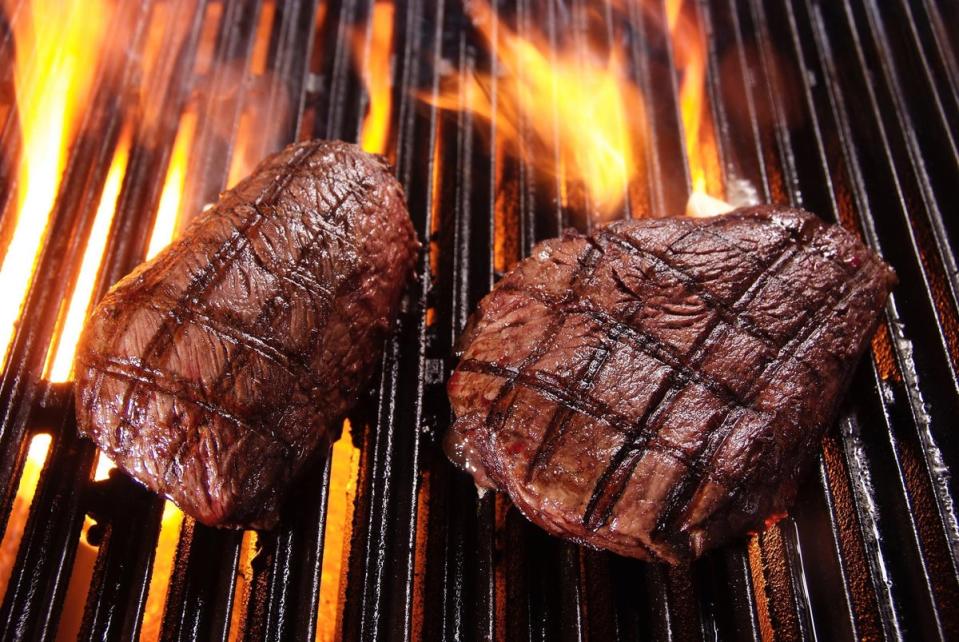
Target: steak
x=213, y=372
x=657, y=388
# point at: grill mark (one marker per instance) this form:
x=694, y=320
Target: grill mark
x=555, y=392
x=232, y=330
x=725, y=312
x=562, y=416
x=648, y=344
x=683, y=492
x=228, y=251
x=662, y=400
x=552, y=389
x=280, y=299
x=180, y=389
x=584, y=271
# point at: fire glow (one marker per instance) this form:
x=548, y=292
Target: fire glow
x=61, y=366
x=376, y=76
x=706, y=197
x=164, y=226
x=574, y=113
x=579, y=99
x=52, y=76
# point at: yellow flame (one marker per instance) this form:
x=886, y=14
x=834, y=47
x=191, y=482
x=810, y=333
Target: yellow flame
x=52, y=76
x=336, y=543
x=690, y=56
x=60, y=368
x=581, y=99
x=104, y=466
x=165, y=225
x=170, y=524
x=376, y=76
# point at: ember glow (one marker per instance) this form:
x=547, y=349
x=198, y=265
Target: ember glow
x=52, y=76
x=339, y=523
x=577, y=107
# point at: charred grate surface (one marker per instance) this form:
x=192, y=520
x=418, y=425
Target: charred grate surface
x=846, y=108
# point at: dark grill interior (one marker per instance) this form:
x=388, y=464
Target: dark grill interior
x=847, y=108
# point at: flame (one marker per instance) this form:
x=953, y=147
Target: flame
x=165, y=225
x=52, y=76
x=701, y=154
x=344, y=471
x=103, y=468
x=257, y=130
x=60, y=366
x=579, y=99
x=162, y=571
x=376, y=76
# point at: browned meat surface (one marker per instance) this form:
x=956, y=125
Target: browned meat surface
x=657, y=388
x=213, y=372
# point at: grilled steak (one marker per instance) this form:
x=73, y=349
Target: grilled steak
x=213, y=372
x=657, y=388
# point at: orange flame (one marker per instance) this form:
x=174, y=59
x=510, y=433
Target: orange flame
x=336, y=543
x=376, y=76
x=52, y=77
x=580, y=100
x=60, y=364
x=164, y=227
x=690, y=56
x=163, y=562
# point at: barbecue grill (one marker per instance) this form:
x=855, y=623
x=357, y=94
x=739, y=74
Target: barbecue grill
x=849, y=108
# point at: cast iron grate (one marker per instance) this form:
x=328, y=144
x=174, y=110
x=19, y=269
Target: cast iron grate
x=848, y=108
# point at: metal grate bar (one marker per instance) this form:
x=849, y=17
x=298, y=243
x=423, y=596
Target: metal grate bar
x=931, y=149
x=286, y=569
x=56, y=267
x=782, y=557
x=851, y=446
x=32, y=607
x=815, y=104
x=384, y=558
x=219, y=117
x=925, y=428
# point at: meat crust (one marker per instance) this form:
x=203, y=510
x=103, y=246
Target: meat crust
x=658, y=388
x=213, y=372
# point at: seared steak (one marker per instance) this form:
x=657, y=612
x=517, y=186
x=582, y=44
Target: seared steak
x=214, y=371
x=657, y=388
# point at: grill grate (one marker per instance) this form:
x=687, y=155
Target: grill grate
x=849, y=109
